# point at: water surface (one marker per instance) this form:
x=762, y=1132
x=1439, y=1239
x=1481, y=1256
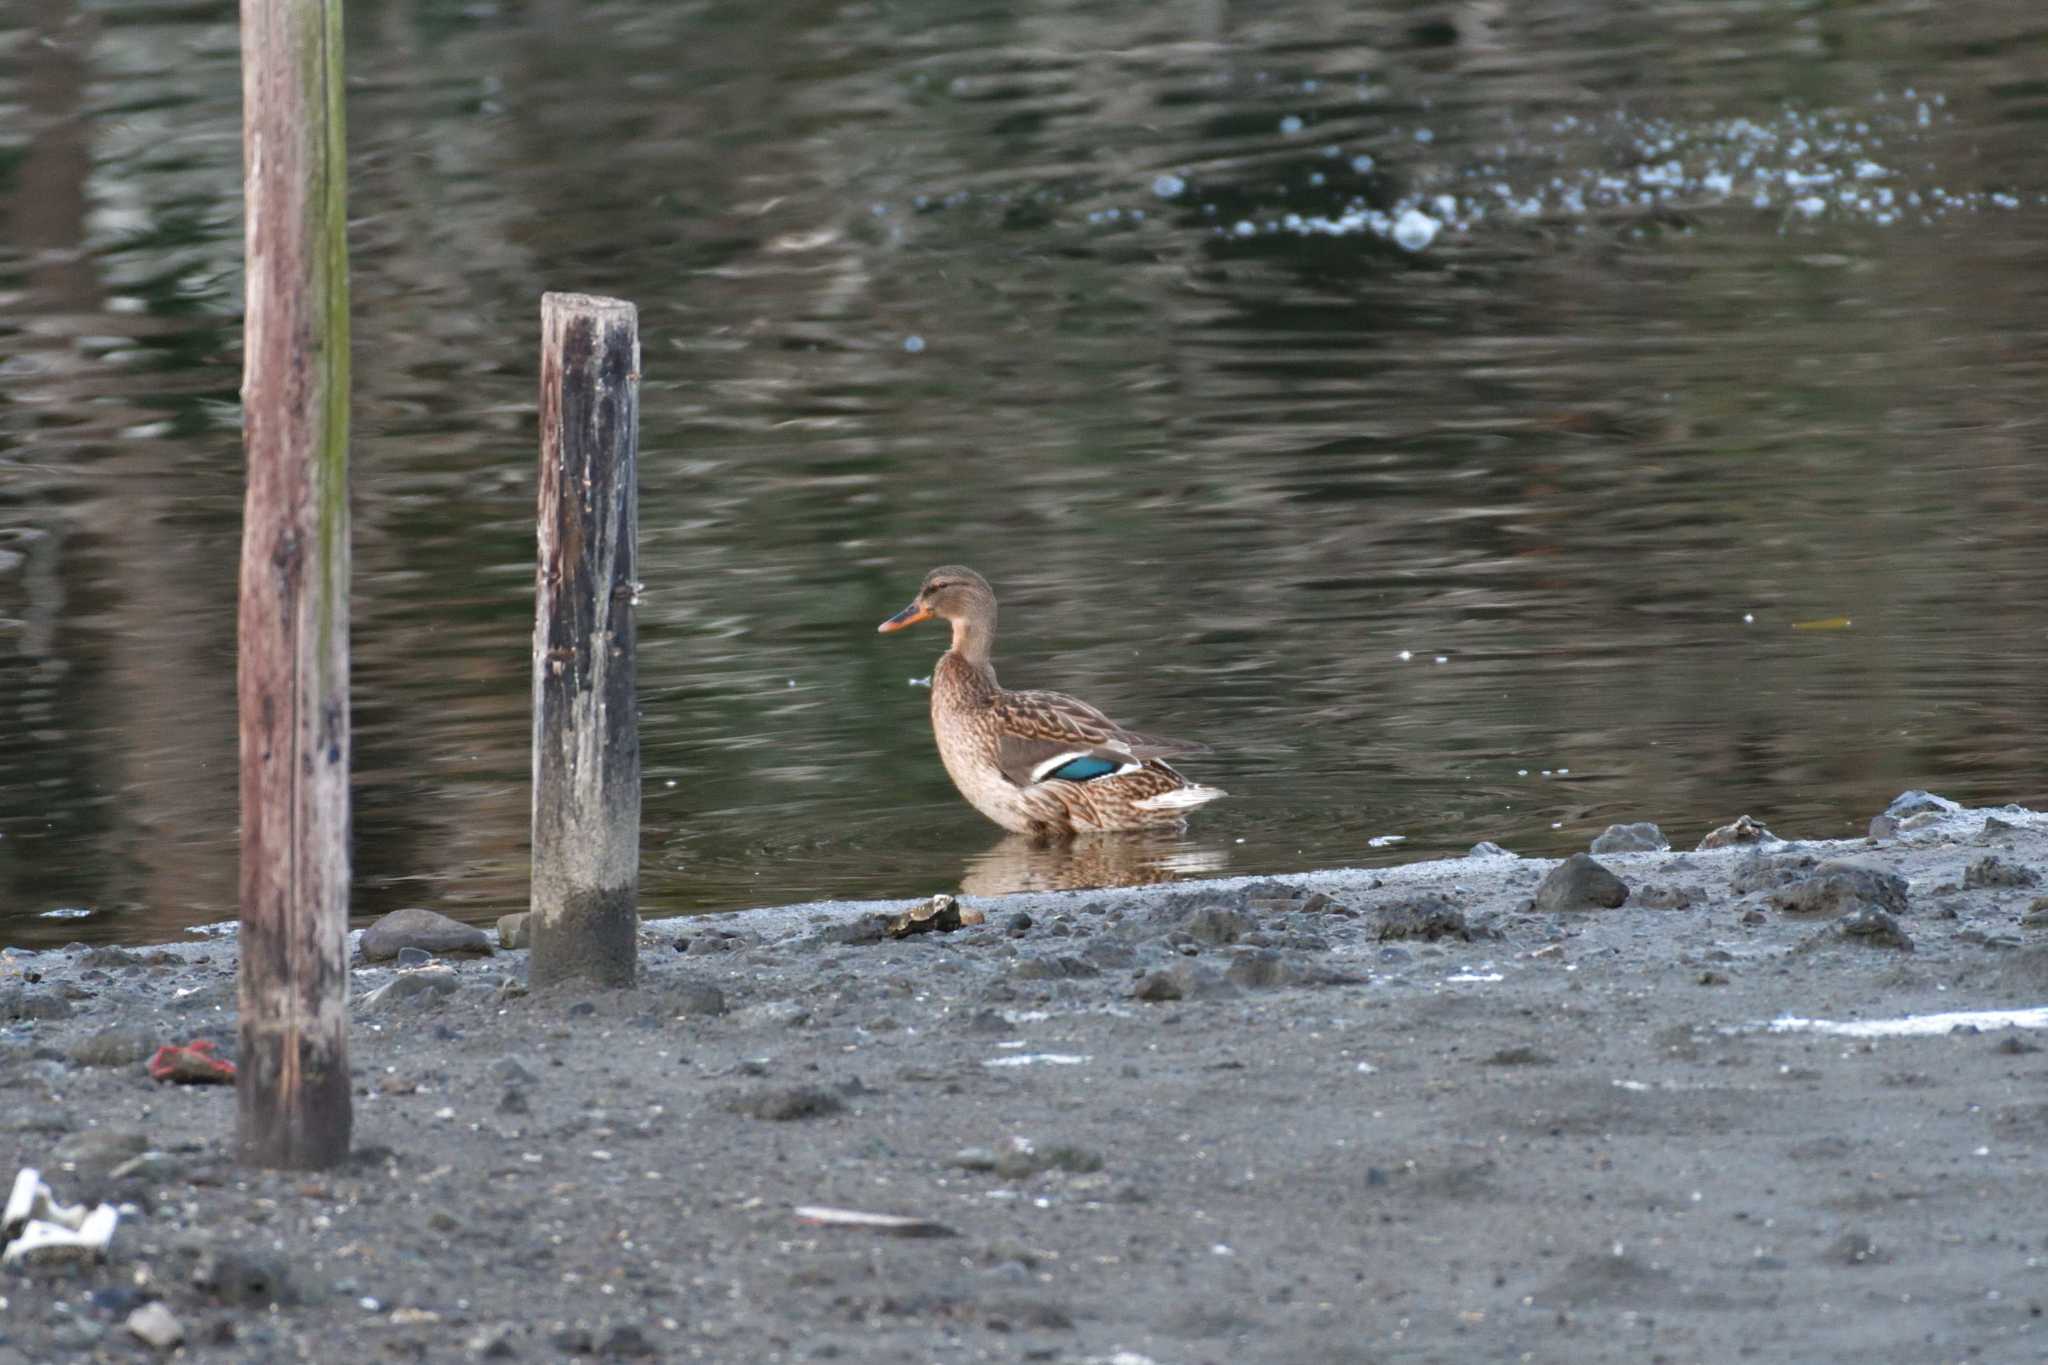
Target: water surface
x=1718, y=321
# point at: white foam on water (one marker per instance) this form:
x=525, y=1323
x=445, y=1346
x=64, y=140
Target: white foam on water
x=1034, y=1058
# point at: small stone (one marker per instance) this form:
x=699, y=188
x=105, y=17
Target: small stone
x=512, y=1071
x=414, y=957
x=513, y=1101
x=1996, y=872
x=1261, y=969
x=493, y=1343
x=118, y=1046
x=241, y=1278
x=1487, y=848
x=420, y=985
x=625, y=1341
x=424, y=929
x=934, y=915
x=1873, y=926
x=2036, y=916
x=1665, y=897
x=1521, y=1054
x=1883, y=827
x=1855, y=1248
x=785, y=1104
x=1579, y=883
x=1060, y=968
x=1917, y=802
x=1428, y=917
x=1994, y=825
x=514, y=931
x=1216, y=925
x=110, y=958
x=1157, y=988
x=1741, y=830
x=156, y=1327
x=857, y=933
x=2012, y=1045
x=975, y=1159
x=697, y=999
x=16, y=1003
x=1641, y=837
x=1839, y=886
x=1017, y=924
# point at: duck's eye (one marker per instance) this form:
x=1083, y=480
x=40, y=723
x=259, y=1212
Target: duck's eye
x=931, y=588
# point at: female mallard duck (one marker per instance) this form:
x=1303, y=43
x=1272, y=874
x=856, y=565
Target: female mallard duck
x=1036, y=762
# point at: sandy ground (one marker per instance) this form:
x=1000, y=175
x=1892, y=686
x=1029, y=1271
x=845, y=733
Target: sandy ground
x=1248, y=1120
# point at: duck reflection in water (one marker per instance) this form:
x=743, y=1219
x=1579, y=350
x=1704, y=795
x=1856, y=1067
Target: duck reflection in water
x=1028, y=862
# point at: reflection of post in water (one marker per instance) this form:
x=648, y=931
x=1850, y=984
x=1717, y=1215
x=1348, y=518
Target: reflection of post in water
x=1023, y=862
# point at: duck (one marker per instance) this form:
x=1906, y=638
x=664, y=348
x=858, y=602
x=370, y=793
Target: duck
x=1037, y=763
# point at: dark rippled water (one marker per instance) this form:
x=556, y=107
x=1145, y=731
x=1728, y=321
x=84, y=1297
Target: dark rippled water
x=1450, y=412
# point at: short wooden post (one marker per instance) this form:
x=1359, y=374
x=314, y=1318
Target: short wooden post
x=293, y=623
x=586, y=731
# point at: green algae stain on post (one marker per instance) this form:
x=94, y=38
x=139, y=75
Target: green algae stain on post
x=293, y=1095
x=586, y=731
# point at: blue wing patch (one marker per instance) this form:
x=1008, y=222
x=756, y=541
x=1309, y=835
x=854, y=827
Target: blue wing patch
x=1083, y=768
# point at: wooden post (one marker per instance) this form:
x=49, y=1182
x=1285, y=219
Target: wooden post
x=586, y=731
x=293, y=624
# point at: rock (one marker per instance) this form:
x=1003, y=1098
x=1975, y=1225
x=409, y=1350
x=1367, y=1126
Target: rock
x=697, y=999
x=1996, y=872
x=935, y=915
x=1765, y=872
x=16, y=1003
x=1216, y=925
x=513, y=932
x=156, y=1327
x=512, y=1071
x=1521, y=1055
x=1741, y=830
x=784, y=1104
x=414, y=957
x=494, y=1343
x=1666, y=897
x=1874, y=927
x=625, y=1341
x=1184, y=981
x=246, y=1279
x=1579, y=883
x=1261, y=969
x=1641, y=837
x=420, y=985
x=1855, y=1248
x=513, y=1101
x=2036, y=916
x=423, y=929
x=109, y=958
x=1487, y=848
x=1917, y=802
x=1428, y=917
x=1017, y=924
x=1157, y=988
x=118, y=1046
x=1060, y=968
x=857, y=933
x=1840, y=886
x=772, y=1014
x=97, y=1151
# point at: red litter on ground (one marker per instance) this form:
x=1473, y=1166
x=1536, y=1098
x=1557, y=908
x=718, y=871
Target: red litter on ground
x=192, y=1064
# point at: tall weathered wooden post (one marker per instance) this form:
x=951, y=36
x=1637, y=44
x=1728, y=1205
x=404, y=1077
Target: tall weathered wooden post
x=293, y=621
x=584, y=913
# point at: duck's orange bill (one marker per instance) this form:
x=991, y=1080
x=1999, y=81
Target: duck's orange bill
x=909, y=616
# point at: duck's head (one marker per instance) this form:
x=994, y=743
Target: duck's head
x=955, y=594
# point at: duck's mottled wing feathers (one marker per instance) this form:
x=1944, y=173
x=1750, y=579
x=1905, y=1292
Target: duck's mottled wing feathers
x=1033, y=727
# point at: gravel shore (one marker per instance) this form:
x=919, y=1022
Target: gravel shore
x=1454, y=1111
